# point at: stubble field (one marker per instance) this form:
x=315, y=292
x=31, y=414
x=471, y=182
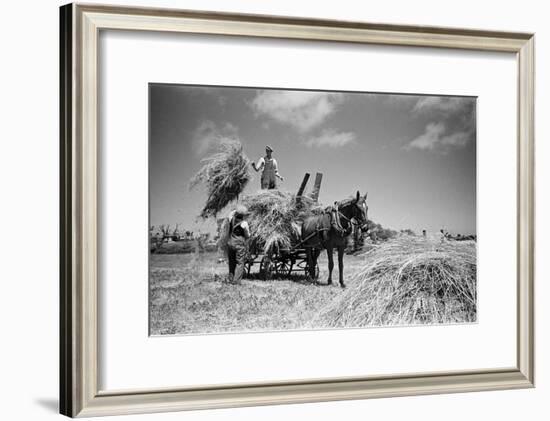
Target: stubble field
x=422, y=282
x=189, y=295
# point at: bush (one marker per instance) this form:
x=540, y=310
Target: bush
x=378, y=232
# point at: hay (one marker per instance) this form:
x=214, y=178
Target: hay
x=225, y=175
x=409, y=281
x=273, y=219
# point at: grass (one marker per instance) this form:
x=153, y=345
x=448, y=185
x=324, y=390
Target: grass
x=188, y=294
x=185, y=247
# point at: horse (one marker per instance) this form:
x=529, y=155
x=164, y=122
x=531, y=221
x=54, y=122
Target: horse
x=330, y=230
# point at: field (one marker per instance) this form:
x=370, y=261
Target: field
x=188, y=295
x=435, y=283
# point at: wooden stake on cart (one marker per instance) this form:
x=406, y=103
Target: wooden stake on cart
x=302, y=187
x=316, y=187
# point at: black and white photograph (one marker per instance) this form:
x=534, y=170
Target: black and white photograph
x=274, y=209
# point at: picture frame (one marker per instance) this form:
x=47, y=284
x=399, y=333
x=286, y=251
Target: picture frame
x=80, y=26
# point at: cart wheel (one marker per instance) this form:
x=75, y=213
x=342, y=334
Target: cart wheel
x=283, y=269
x=266, y=267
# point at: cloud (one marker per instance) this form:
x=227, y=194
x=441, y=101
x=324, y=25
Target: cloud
x=302, y=110
x=429, y=105
x=455, y=126
x=208, y=134
x=404, y=100
x=443, y=105
x=434, y=137
x=331, y=138
x=457, y=139
x=454, y=111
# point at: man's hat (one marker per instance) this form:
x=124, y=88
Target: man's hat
x=269, y=148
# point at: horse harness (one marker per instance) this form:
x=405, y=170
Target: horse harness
x=335, y=223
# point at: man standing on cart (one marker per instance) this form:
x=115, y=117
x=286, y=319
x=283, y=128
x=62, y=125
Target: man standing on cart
x=269, y=168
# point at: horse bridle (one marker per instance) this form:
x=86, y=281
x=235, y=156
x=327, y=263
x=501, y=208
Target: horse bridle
x=351, y=221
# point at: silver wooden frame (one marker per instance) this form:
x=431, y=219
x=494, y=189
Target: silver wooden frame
x=79, y=30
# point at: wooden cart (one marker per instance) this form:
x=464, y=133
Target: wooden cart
x=281, y=264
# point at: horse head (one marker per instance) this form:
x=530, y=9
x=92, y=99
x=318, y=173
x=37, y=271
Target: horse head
x=356, y=209
x=361, y=211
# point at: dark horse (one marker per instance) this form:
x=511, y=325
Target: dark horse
x=330, y=230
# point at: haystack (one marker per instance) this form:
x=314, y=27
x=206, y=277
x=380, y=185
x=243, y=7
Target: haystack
x=274, y=219
x=225, y=175
x=409, y=281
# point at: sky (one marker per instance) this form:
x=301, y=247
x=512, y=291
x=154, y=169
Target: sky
x=415, y=155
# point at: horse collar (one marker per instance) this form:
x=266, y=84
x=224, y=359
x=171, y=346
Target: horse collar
x=337, y=224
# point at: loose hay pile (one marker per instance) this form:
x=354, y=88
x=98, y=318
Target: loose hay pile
x=273, y=219
x=409, y=281
x=225, y=175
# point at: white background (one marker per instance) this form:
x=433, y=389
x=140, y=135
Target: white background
x=29, y=174
x=130, y=61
